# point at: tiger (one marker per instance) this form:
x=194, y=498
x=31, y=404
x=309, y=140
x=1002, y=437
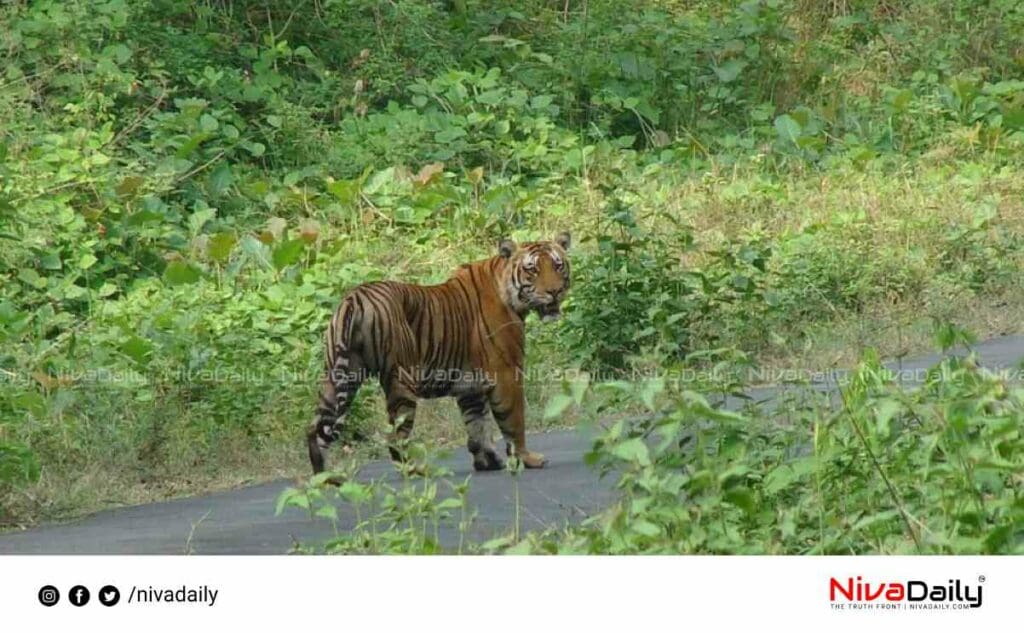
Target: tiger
x=463, y=338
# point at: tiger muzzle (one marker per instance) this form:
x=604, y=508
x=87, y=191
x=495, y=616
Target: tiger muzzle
x=550, y=311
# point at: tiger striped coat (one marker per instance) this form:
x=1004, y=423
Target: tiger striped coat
x=463, y=338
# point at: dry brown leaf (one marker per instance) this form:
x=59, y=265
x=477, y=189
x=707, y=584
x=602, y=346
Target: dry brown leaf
x=309, y=230
x=429, y=173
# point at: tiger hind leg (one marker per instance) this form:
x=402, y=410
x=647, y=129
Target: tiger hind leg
x=401, y=404
x=338, y=389
x=481, y=446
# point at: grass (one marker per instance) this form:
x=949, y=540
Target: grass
x=895, y=331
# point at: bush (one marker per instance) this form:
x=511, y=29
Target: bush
x=894, y=470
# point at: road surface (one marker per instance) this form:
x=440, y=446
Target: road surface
x=243, y=521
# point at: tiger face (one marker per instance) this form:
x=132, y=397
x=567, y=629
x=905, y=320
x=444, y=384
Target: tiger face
x=536, y=276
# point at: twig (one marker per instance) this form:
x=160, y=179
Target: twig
x=192, y=532
x=195, y=171
x=878, y=468
x=131, y=127
x=288, y=21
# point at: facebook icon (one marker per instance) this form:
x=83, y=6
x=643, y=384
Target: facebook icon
x=78, y=595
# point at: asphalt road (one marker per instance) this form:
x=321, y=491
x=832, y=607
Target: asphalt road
x=243, y=521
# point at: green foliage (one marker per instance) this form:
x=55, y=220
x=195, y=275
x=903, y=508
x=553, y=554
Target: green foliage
x=389, y=519
x=187, y=188
x=928, y=469
x=894, y=470
x=633, y=290
x=18, y=465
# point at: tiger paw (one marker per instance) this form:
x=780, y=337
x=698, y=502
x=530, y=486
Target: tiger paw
x=487, y=460
x=533, y=460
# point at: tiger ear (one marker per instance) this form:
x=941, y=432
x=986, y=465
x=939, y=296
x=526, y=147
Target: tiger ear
x=564, y=240
x=506, y=247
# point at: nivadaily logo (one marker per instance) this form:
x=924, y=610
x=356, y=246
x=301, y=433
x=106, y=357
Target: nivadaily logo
x=904, y=594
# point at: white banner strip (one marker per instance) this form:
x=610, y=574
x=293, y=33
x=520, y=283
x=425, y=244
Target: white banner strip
x=508, y=593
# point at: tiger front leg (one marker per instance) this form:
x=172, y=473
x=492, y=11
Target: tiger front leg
x=508, y=403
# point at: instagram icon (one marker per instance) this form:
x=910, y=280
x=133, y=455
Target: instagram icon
x=49, y=596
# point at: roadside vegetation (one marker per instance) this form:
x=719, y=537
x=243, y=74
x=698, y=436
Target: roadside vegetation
x=934, y=468
x=186, y=189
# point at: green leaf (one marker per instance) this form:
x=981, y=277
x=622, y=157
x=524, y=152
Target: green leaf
x=138, y=349
x=579, y=386
x=291, y=497
x=449, y=504
x=541, y=101
x=884, y=413
x=344, y=190
x=632, y=450
x=221, y=179
x=200, y=217
x=254, y=148
x=490, y=97
x=8, y=313
x=379, y=180
x=118, y=52
x=779, y=479
x=730, y=70
x=354, y=492
x=255, y=251
x=650, y=391
x=220, y=246
x=872, y=519
x=51, y=261
x=449, y=134
x=191, y=144
x=207, y=123
x=742, y=498
x=902, y=99
x=645, y=528
x=1013, y=118
x=287, y=253
x=787, y=128
x=327, y=512
x=143, y=217
x=180, y=273
x=522, y=548
x=32, y=402
x=556, y=405
x=32, y=278
x=87, y=261
x=129, y=185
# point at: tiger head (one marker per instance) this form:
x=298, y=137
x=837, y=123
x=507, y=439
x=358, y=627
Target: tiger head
x=536, y=276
